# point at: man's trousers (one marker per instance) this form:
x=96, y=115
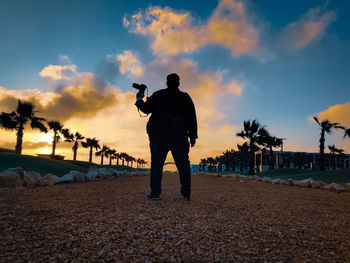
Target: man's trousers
x=179, y=146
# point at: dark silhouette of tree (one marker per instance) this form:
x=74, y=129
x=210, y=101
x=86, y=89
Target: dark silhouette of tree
x=123, y=157
x=57, y=127
x=91, y=143
x=256, y=135
x=202, y=164
x=272, y=142
x=326, y=128
x=243, y=155
x=17, y=120
x=118, y=157
x=111, y=153
x=333, y=151
x=132, y=159
x=75, y=138
x=103, y=153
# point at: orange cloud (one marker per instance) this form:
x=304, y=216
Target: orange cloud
x=338, y=113
x=129, y=63
x=174, y=33
x=308, y=28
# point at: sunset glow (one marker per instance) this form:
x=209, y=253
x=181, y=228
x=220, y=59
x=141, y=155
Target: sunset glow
x=239, y=60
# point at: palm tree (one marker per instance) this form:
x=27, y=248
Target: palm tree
x=103, y=153
x=111, y=153
x=272, y=142
x=203, y=163
x=243, y=154
x=256, y=135
x=123, y=157
x=118, y=157
x=91, y=143
x=143, y=162
x=326, y=127
x=77, y=137
x=333, y=150
x=57, y=127
x=16, y=120
x=132, y=159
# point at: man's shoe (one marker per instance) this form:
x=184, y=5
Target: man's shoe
x=153, y=197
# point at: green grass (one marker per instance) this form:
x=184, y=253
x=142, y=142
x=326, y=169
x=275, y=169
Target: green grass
x=45, y=166
x=338, y=176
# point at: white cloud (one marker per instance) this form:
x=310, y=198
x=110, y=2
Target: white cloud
x=58, y=72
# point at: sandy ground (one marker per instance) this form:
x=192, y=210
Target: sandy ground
x=226, y=221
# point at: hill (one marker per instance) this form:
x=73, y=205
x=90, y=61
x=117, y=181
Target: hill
x=45, y=166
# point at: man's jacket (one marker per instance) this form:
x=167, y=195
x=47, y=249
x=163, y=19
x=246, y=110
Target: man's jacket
x=172, y=111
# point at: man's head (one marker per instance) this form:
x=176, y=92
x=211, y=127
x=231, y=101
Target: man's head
x=173, y=81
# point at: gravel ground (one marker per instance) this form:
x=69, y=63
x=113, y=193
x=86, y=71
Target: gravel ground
x=226, y=221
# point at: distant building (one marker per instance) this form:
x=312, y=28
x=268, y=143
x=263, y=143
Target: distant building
x=284, y=159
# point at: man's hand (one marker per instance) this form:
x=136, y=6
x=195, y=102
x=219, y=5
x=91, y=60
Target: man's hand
x=192, y=141
x=139, y=95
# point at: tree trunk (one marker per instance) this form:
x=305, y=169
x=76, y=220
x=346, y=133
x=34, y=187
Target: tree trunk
x=122, y=162
x=271, y=164
x=322, y=140
x=251, y=159
x=54, y=143
x=117, y=161
x=110, y=160
x=90, y=155
x=19, y=139
x=102, y=159
x=75, y=151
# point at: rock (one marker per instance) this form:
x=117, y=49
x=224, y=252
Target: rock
x=304, y=183
x=347, y=187
x=90, y=176
x=276, y=181
x=249, y=177
x=67, y=178
x=318, y=184
x=267, y=179
x=236, y=176
x=103, y=173
x=334, y=187
x=93, y=168
x=283, y=182
x=73, y=177
x=290, y=182
x=32, y=179
x=49, y=180
x=12, y=177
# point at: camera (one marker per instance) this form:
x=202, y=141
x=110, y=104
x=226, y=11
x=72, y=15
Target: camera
x=141, y=88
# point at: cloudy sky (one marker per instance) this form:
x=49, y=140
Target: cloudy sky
x=280, y=62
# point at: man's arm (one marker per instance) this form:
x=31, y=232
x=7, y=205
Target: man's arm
x=145, y=106
x=193, y=127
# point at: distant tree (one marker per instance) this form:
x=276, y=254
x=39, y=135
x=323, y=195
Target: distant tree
x=103, y=153
x=255, y=134
x=123, y=157
x=272, y=142
x=202, y=164
x=326, y=128
x=111, y=153
x=57, y=127
x=17, y=120
x=132, y=159
x=243, y=155
x=118, y=157
x=91, y=143
x=77, y=138
x=333, y=151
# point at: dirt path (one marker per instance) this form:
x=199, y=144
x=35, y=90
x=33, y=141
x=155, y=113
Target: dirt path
x=110, y=221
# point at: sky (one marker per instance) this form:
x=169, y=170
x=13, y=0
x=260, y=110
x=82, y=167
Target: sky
x=280, y=62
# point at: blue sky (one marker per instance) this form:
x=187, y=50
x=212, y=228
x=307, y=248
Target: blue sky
x=283, y=82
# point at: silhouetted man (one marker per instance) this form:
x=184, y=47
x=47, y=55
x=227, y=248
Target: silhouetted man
x=172, y=122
